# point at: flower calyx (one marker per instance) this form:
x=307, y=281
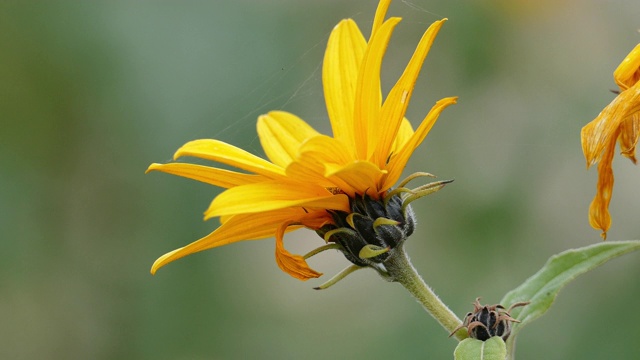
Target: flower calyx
x=488, y=321
x=374, y=228
x=369, y=233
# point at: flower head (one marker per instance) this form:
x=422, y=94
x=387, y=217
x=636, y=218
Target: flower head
x=618, y=122
x=316, y=181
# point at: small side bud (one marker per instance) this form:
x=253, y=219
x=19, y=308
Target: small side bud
x=488, y=321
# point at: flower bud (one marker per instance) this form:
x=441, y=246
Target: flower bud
x=488, y=321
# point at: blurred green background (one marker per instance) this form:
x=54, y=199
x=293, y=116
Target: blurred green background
x=93, y=92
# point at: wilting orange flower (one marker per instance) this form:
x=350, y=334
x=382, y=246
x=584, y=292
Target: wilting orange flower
x=618, y=122
x=311, y=177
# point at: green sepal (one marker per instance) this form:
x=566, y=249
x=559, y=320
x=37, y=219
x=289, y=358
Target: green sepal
x=474, y=349
x=384, y=221
x=369, y=251
x=339, y=276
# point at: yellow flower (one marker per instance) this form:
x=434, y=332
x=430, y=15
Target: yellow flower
x=310, y=178
x=619, y=121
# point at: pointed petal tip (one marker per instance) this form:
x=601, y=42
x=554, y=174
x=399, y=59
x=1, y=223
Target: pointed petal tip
x=451, y=100
x=299, y=269
x=589, y=164
x=188, y=145
x=165, y=259
x=343, y=22
x=178, y=154
x=436, y=25
x=152, y=167
x=180, y=151
x=156, y=265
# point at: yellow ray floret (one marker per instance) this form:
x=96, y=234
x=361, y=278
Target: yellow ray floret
x=618, y=122
x=308, y=174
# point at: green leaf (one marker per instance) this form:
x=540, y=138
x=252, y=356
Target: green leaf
x=474, y=349
x=543, y=287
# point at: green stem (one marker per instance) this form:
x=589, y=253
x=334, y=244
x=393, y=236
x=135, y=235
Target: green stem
x=511, y=349
x=400, y=269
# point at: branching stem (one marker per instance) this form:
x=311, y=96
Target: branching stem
x=399, y=269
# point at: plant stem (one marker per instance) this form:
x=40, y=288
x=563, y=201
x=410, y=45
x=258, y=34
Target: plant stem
x=511, y=349
x=400, y=269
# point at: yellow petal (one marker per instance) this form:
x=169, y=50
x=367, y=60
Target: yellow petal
x=378, y=19
x=281, y=134
x=399, y=161
x=342, y=59
x=273, y=195
x=618, y=121
x=236, y=228
x=629, y=133
x=294, y=265
x=366, y=113
x=628, y=72
x=599, y=216
x=314, y=219
x=597, y=134
x=325, y=149
x=228, y=154
x=309, y=169
x=207, y=174
x=362, y=176
x=395, y=105
x=404, y=134
x=315, y=154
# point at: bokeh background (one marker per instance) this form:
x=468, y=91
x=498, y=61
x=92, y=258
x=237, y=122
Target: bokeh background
x=93, y=92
